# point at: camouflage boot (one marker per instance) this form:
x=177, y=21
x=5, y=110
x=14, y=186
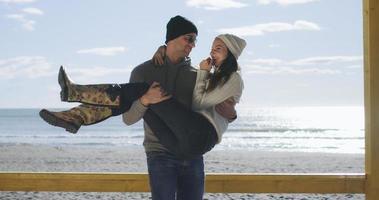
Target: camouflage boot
x=99, y=94
x=72, y=119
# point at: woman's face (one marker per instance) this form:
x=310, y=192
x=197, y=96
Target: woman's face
x=219, y=52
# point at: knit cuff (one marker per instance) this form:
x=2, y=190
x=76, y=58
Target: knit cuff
x=139, y=106
x=202, y=74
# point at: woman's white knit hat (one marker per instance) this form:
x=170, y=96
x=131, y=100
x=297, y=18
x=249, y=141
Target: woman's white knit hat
x=234, y=43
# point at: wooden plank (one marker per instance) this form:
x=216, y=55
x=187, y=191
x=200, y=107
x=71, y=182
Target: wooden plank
x=286, y=183
x=371, y=75
x=215, y=183
x=75, y=182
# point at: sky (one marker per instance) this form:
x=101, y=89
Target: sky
x=298, y=53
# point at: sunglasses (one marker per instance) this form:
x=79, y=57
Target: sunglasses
x=190, y=39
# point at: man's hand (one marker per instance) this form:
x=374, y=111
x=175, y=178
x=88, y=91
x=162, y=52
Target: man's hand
x=154, y=95
x=159, y=55
x=227, y=109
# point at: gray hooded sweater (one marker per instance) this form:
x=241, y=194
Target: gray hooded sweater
x=178, y=80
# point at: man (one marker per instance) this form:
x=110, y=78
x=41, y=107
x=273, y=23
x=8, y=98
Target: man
x=170, y=177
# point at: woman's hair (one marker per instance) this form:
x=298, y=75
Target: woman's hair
x=222, y=75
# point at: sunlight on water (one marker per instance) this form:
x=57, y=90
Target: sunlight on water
x=325, y=117
x=296, y=129
x=308, y=117
x=305, y=129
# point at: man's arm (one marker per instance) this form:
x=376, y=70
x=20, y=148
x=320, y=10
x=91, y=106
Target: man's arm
x=154, y=95
x=137, y=110
x=135, y=113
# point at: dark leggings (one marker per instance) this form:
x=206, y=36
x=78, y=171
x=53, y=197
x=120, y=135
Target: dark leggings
x=180, y=130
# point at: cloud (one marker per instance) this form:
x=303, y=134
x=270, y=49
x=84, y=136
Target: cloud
x=355, y=67
x=16, y=17
x=88, y=74
x=327, y=60
x=25, y=66
x=311, y=65
x=258, y=69
x=262, y=29
x=272, y=61
x=273, y=45
x=215, y=4
x=38, y=66
x=285, y=2
x=105, y=51
x=26, y=23
x=17, y=1
x=33, y=11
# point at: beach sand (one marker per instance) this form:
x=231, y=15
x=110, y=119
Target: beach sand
x=45, y=158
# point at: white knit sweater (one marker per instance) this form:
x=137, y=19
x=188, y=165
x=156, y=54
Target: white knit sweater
x=205, y=102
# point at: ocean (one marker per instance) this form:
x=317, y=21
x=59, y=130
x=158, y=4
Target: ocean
x=285, y=129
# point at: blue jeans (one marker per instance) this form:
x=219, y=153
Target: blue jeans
x=172, y=178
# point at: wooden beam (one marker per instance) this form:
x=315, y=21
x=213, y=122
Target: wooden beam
x=215, y=183
x=371, y=76
x=74, y=182
x=285, y=183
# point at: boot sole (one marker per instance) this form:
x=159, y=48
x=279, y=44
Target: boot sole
x=55, y=121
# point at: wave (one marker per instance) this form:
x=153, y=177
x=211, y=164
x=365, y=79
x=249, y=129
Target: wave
x=295, y=137
x=73, y=137
x=280, y=130
x=226, y=136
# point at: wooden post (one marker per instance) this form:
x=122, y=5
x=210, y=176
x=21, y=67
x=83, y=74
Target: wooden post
x=371, y=76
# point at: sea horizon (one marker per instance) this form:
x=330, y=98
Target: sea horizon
x=325, y=129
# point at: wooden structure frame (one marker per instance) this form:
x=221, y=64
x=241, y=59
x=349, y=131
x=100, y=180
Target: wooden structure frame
x=215, y=183
x=367, y=183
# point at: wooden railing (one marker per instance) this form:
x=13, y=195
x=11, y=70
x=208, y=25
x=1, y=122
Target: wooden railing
x=215, y=183
x=367, y=183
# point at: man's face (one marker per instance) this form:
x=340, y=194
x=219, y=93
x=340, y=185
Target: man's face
x=184, y=43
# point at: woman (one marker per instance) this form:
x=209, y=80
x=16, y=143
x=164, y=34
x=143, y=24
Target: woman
x=173, y=130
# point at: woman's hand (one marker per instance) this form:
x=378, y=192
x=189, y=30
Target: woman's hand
x=159, y=55
x=206, y=64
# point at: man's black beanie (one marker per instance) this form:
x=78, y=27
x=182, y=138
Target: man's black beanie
x=178, y=26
